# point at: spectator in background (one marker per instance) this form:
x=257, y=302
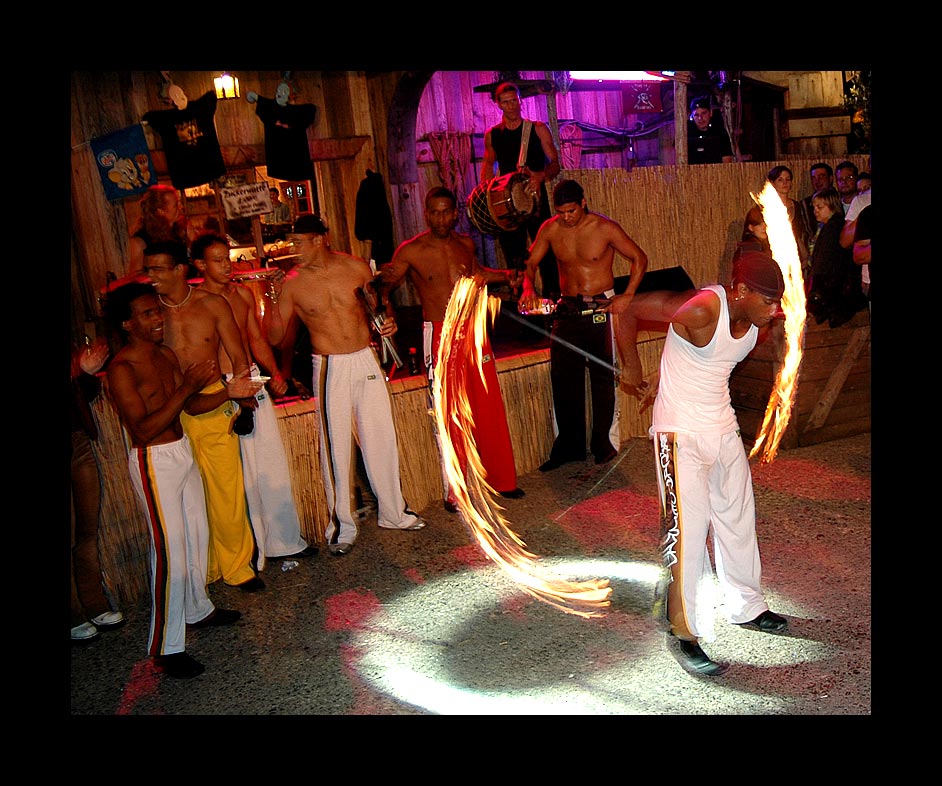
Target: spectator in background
x=846, y=173
x=162, y=219
x=91, y=610
x=755, y=236
x=822, y=177
x=281, y=211
x=835, y=294
x=849, y=231
x=781, y=179
x=862, y=237
x=503, y=145
x=707, y=140
x=863, y=183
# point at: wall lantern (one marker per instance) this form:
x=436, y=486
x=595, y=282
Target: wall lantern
x=227, y=85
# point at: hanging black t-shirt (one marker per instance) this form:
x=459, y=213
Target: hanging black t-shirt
x=287, y=153
x=190, y=141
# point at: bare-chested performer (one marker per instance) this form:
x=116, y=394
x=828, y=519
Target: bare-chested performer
x=272, y=509
x=434, y=260
x=353, y=400
x=199, y=326
x=150, y=392
x=584, y=244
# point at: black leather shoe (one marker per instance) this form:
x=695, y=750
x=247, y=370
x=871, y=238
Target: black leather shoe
x=179, y=665
x=553, y=463
x=515, y=494
x=252, y=585
x=217, y=619
x=696, y=661
x=767, y=622
x=451, y=507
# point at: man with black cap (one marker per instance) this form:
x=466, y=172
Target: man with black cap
x=328, y=290
x=707, y=140
x=703, y=471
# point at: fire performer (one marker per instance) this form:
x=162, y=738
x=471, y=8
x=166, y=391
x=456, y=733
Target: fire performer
x=584, y=244
x=353, y=399
x=703, y=472
x=434, y=260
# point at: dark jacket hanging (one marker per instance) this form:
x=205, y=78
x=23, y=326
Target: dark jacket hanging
x=374, y=218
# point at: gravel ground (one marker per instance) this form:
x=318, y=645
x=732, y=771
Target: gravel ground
x=421, y=623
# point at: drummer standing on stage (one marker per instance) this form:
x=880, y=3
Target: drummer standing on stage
x=502, y=144
x=584, y=244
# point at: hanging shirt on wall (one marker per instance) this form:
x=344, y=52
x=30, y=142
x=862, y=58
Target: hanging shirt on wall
x=287, y=153
x=190, y=142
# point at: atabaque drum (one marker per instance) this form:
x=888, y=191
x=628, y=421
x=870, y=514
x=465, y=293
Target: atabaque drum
x=259, y=281
x=502, y=204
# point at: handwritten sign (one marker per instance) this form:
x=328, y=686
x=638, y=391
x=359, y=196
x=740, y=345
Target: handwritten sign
x=247, y=200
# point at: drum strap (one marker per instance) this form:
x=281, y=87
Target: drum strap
x=524, y=143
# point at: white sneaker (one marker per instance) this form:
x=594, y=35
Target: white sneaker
x=109, y=620
x=84, y=632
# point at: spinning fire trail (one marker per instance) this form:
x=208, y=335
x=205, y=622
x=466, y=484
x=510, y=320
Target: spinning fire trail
x=462, y=337
x=785, y=252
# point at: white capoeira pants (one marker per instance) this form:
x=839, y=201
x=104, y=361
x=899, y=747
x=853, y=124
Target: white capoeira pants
x=704, y=480
x=268, y=492
x=354, y=404
x=167, y=481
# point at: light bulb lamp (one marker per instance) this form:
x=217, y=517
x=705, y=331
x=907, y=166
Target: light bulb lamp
x=227, y=85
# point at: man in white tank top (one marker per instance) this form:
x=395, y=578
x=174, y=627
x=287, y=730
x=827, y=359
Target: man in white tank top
x=703, y=471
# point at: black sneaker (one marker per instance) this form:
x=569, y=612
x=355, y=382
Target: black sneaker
x=767, y=622
x=695, y=660
x=179, y=666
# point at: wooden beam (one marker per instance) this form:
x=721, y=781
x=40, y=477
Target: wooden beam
x=333, y=149
x=836, y=381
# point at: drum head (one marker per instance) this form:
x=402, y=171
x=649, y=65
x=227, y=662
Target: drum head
x=479, y=212
x=501, y=204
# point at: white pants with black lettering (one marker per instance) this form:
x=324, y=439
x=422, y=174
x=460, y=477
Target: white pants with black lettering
x=705, y=481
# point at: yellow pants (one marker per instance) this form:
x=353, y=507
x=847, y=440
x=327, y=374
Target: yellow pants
x=216, y=449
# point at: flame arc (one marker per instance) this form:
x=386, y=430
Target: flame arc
x=785, y=253
x=463, y=333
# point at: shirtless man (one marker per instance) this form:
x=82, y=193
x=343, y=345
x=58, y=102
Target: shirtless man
x=325, y=290
x=199, y=326
x=272, y=509
x=150, y=392
x=584, y=244
x=434, y=260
